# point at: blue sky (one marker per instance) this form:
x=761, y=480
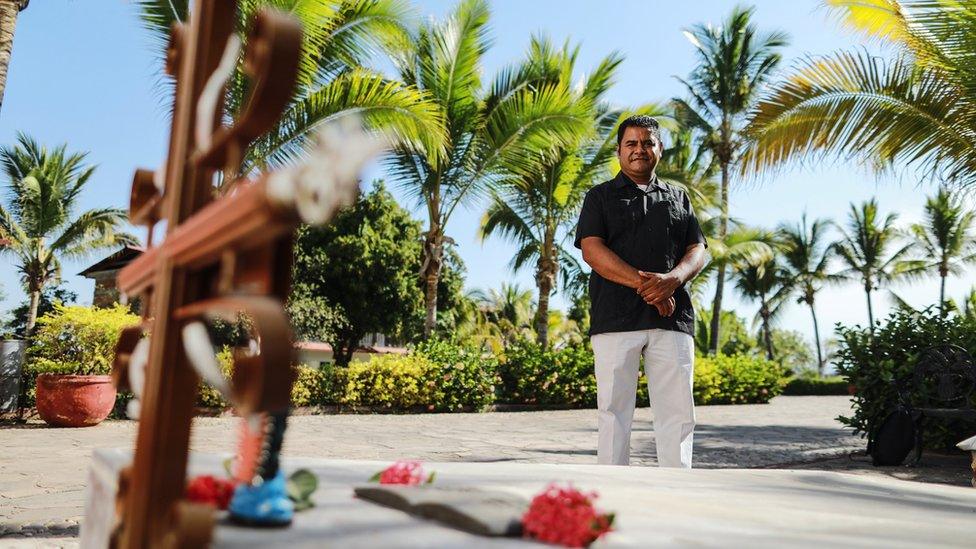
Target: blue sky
x=85, y=73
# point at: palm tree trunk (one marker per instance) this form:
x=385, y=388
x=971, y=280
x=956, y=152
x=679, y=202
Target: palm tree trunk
x=433, y=259
x=942, y=295
x=8, y=23
x=867, y=292
x=720, y=276
x=35, y=300
x=544, y=282
x=816, y=337
x=767, y=336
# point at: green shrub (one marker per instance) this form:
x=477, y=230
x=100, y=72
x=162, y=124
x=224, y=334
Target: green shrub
x=312, y=386
x=736, y=379
x=73, y=340
x=834, y=385
x=529, y=374
x=80, y=340
x=208, y=397
x=459, y=377
x=391, y=381
x=873, y=363
x=707, y=386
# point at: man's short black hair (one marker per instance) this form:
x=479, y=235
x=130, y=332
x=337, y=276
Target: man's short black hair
x=639, y=121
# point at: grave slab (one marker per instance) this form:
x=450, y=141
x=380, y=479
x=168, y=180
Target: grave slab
x=654, y=507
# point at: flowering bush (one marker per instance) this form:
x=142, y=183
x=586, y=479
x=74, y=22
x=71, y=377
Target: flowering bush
x=565, y=516
x=210, y=490
x=529, y=374
x=459, y=377
x=409, y=473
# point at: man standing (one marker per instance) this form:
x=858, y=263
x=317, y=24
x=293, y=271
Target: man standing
x=644, y=243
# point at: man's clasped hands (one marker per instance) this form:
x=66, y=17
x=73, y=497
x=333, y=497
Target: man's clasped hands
x=657, y=289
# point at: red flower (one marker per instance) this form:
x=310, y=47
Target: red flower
x=565, y=516
x=210, y=490
x=403, y=472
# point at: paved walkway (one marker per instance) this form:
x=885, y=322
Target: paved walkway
x=43, y=470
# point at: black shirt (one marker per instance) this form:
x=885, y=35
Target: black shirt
x=652, y=238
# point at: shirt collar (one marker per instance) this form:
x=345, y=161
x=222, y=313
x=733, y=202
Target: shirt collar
x=622, y=181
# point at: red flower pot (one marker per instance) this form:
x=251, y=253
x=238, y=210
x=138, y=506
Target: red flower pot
x=74, y=401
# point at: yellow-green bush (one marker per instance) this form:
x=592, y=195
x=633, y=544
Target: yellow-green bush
x=74, y=339
x=310, y=388
x=208, y=397
x=392, y=381
x=737, y=379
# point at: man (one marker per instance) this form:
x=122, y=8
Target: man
x=644, y=243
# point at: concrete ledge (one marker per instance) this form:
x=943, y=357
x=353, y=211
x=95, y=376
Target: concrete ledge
x=655, y=507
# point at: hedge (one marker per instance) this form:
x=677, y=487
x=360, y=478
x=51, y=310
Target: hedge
x=809, y=386
x=872, y=362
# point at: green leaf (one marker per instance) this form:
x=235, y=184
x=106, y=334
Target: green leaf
x=301, y=484
x=430, y=478
x=229, y=466
x=376, y=477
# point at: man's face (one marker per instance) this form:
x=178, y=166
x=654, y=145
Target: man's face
x=639, y=151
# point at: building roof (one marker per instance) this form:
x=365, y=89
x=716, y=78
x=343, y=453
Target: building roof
x=113, y=262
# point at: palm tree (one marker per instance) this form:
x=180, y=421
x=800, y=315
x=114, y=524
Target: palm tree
x=946, y=239
x=806, y=260
x=504, y=315
x=767, y=283
x=38, y=219
x=537, y=209
x=734, y=63
x=9, y=10
x=492, y=133
x=689, y=167
x=741, y=245
x=865, y=249
x=340, y=37
x=917, y=108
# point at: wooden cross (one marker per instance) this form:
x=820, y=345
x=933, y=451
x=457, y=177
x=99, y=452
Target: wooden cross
x=220, y=255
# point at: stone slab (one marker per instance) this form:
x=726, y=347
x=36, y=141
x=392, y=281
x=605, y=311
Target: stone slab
x=654, y=507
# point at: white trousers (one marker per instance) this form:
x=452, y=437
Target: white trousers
x=669, y=359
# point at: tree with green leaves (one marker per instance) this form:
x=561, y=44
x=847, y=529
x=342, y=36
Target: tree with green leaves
x=40, y=221
x=767, y=283
x=340, y=39
x=916, y=108
x=871, y=250
x=492, y=131
x=945, y=240
x=357, y=275
x=735, y=61
x=806, y=259
x=792, y=351
x=537, y=208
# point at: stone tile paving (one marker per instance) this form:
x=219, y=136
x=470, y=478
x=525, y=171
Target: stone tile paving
x=43, y=470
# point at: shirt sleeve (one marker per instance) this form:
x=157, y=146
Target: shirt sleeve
x=693, y=234
x=591, y=220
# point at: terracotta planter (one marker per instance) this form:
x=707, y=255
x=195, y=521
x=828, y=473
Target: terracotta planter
x=74, y=401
